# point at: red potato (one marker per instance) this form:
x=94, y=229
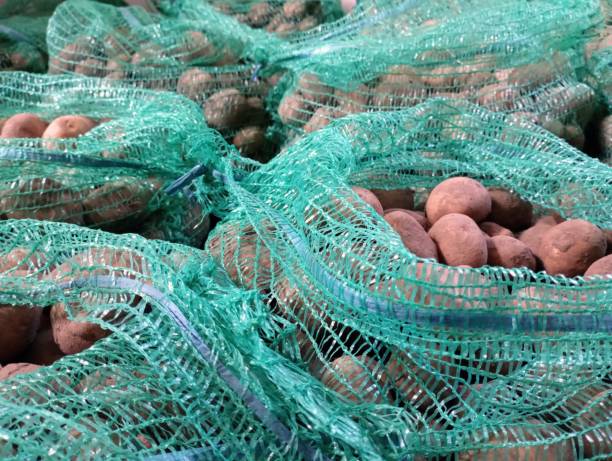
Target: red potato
x=549, y=220
x=395, y=198
x=196, y=46
x=460, y=241
x=370, y=198
x=68, y=126
x=295, y=9
x=508, y=210
x=314, y=90
x=226, y=109
x=348, y=5
x=458, y=195
x=509, y=252
x=250, y=141
x=15, y=369
x=352, y=102
x=571, y=247
x=418, y=216
x=322, y=117
x=75, y=334
x=293, y=304
x=23, y=126
x=413, y=236
x=602, y=266
x=43, y=350
x=359, y=379
x=293, y=109
x=532, y=237
x=195, y=84
x=493, y=229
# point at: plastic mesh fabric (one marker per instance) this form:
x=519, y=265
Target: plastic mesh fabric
x=22, y=43
x=113, y=176
x=427, y=359
x=520, y=65
x=168, y=380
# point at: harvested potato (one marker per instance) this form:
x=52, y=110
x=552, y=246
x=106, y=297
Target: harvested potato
x=316, y=91
x=458, y=195
x=293, y=109
x=250, y=141
x=68, y=126
x=508, y=210
x=322, y=117
x=73, y=335
x=195, y=83
x=413, y=236
x=460, y=241
x=602, y=266
x=24, y=126
x=571, y=247
x=532, y=237
x=226, y=109
x=509, y=252
x=368, y=197
x=395, y=198
x=359, y=379
x=15, y=369
x=43, y=350
x=352, y=102
x=493, y=229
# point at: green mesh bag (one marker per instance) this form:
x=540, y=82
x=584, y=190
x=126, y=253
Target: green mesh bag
x=424, y=359
x=521, y=65
x=148, y=51
x=114, y=175
x=22, y=43
x=167, y=376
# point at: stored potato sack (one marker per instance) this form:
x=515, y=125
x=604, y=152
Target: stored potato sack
x=173, y=349
x=23, y=42
x=99, y=154
x=311, y=235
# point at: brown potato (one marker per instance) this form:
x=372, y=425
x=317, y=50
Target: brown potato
x=368, y=197
x=532, y=75
x=43, y=350
x=68, y=126
x=508, y=210
x=259, y=14
x=119, y=200
x=313, y=89
x=348, y=5
x=295, y=9
x=602, y=266
x=322, y=117
x=15, y=369
x=23, y=126
x=509, y=252
x=195, y=84
x=532, y=237
x=571, y=247
x=90, y=67
x=387, y=95
x=197, y=46
x=359, y=379
x=293, y=109
x=73, y=335
x=352, y=102
x=412, y=234
x=458, y=195
x=226, y=109
x=418, y=216
x=395, y=198
x=459, y=241
x=493, y=229
x=250, y=141
x=20, y=324
x=41, y=198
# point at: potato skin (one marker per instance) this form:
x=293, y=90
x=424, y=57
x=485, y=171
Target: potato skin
x=293, y=109
x=226, y=109
x=68, y=126
x=508, y=210
x=322, y=117
x=493, y=229
x=356, y=383
x=369, y=197
x=458, y=195
x=571, y=247
x=250, y=141
x=395, y=198
x=14, y=369
x=24, y=125
x=195, y=83
x=460, y=241
x=412, y=234
x=603, y=266
x=418, y=216
x=509, y=252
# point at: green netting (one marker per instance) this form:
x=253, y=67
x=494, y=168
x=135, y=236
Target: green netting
x=113, y=176
x=148, y=51
x=168, y=372
x=426, y=359
x=22, y=43
x=509, y=58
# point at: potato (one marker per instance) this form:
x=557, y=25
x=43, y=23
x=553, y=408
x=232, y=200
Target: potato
x=20, y=324
x=90, y=67
x=508, y=210
x=602, y=266
x=75, y=335
x=368, y=197
x=459, y=241
x=571, y=247
x=458, y=195
x=412, y=234
x=348, y=5
x=550, y=220
x=395, y=198
x=533, y=75
x=605, y=136
x=322, y=117
x=68, y=126
x=119, y=200
x=387, y=95
x=226, y=109
x=43, y=350
x=295, y=9
x=259, y=14
x=574, y=135
x=418, y=216
x=197, y=46
x=255, y=113
x=313, y=89
x=359, y=379
x=284, y=29
x=293, y=304
x=493, y=229
x=14, y=369
x=293, y=109
x=23, y=126
x=352, y=102
x=250, y=141
x=509, y=252
x=41, y=198
x=195, y=84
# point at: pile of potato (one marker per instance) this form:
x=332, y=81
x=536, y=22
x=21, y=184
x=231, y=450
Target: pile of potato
x=538, y=91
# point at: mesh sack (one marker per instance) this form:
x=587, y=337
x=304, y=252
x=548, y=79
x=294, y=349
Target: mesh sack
x=427, y=359
x=112, y=176
x=166, y=378
x=22, y=43
x=92, y=39
x=520, y=65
